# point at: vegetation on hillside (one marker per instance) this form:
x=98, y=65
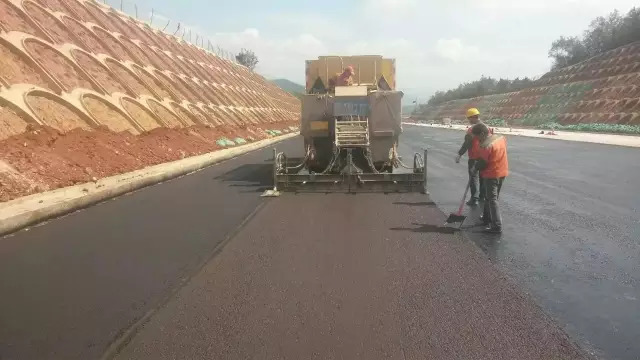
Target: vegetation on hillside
x=247, y=58
x=604, y=34
x=484, y=86
x=289, y=86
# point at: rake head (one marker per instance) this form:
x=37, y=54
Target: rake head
x=455, y=218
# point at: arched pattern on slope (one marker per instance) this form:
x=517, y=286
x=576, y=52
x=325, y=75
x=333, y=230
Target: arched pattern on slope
x=56, y=112
x=98, y=71
x=63, y=69
x=108, y=114
x=16, y=67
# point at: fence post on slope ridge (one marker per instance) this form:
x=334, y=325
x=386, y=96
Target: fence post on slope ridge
x=166, y=26
x=151, y=20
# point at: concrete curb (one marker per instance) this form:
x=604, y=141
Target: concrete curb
x=29, y=210
x=592, y=138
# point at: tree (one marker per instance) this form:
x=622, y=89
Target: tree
x=603, y=34
x=247, y=58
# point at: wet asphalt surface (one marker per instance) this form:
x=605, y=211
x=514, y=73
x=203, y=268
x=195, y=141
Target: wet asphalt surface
x=398, y=286
x=572, y=229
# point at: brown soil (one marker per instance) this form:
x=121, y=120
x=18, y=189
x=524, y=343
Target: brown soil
x=184, y=115
x=127, y=78
x=54, y=5
x=213, y=116
x=136, y=33
x=204, y=71
x=12, y=20
x=98, y=72
x=171, y=84
x=143, y=59
x=90, y=40
x=55, y=114
x=49, y=159
x=184, y=89
x=61, y=68
x=80, y=11
x=200, y=117
x=140, y=114
x=156, y=37
x=10, y=123
x=116, y=49
x=16, y=70
x=172, y=46
x=214, y=96
x=155, y=84
x=108, y=116
x=100, y=17
x=172, y=63
x=118, y=24
x=192, y=71
x=155, y=59
x=165, y=116
x=58, y=32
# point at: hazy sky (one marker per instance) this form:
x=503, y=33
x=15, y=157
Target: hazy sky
x=437, y=44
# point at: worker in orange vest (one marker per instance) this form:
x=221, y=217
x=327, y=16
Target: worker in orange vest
x=494, y=168
x=343, y=79
x=471, y=145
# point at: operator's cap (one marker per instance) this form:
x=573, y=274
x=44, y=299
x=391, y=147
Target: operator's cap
x=472, y=112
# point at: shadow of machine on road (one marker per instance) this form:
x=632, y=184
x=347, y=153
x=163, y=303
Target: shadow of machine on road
x=258, y=176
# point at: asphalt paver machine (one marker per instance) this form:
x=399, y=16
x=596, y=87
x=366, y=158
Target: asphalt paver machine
x=351, y=132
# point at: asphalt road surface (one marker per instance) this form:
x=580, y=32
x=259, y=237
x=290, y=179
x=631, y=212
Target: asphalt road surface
x=572, y=229
x=224, y=272
x=73, y=286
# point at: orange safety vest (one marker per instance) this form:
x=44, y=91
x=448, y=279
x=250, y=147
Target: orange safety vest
x=475, y=144
x=494, y=151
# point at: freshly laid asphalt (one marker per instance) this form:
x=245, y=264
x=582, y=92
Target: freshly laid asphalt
x=572, y=229
x=73, y=286
x=215, y=271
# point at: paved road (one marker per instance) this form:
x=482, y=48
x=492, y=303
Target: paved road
x=349, y=277
x=72, y=286
x=572, y=233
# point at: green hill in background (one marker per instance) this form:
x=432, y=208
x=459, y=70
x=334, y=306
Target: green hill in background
x=289, y=86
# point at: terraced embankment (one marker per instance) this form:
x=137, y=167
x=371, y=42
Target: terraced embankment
x=602, y=90
x=87, y=92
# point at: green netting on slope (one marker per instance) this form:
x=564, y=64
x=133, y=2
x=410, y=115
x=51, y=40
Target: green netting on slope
x=240, y=141
x=594, y=128
x=224, y=142
x=558, y=100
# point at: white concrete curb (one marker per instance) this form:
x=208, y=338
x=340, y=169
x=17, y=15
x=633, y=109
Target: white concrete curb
x=595, y=138
x=25, y=211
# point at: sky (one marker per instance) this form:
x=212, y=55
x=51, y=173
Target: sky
x=437, y=44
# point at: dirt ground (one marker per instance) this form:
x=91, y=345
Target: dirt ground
x=43, y=158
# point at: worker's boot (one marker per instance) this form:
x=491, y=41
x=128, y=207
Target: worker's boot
x=472, y=202
x=493, y=230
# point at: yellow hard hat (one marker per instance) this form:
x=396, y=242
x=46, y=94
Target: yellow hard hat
x=472, y=112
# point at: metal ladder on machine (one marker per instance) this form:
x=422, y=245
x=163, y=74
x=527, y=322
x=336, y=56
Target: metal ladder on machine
x=352, y=133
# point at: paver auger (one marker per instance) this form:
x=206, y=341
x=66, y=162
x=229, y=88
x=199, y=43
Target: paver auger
x=351, y=129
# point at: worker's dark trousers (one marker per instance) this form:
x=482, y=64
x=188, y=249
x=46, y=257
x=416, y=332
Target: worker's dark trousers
x=475, y=182
x=491, y=210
